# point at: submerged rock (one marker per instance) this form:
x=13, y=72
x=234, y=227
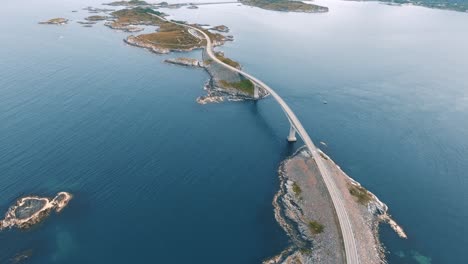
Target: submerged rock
x=31, y=210
x=22, y=257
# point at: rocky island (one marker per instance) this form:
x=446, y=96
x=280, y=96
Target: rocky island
x=128, y=3
x=285, y=6
x=220, y=28
x=304, y=209
x=96, y=18
x=55, y=21
x=30, y=210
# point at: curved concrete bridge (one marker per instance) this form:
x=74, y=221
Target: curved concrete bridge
x=296, y=126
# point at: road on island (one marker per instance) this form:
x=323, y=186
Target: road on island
x=337, y=199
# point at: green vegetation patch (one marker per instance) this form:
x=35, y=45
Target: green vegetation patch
x=285, y=5
x=363, y=196
x=245, y=85
x=137, y=16
x=228, y=61
x=323, y=156
x=169, y=35
x=172, y=36
x=315, y=227
x=296, y=189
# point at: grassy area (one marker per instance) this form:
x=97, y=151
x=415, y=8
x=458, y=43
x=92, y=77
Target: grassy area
x=169, y=35
x=285, y=5
x=315, y=227
x=363, y=196
x=207, y=61
x=245, y=85
x=296, y=189
x=228, y=61
x=136, y=16
x=172, y=36
x=323, y=156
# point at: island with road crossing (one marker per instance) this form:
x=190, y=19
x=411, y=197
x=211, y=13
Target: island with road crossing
x=329, y=217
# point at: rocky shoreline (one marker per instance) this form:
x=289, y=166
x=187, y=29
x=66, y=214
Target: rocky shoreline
x=216, y=92
x=30, y=210
x=135, y=41
x=126, y=28
x=303, y=203
x=189, y=62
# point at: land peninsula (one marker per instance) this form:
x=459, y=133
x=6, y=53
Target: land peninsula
x=305, y=211
x=30, y=210
x=285, y=6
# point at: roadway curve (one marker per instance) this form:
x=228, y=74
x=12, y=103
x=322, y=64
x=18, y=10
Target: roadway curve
x=343, y=218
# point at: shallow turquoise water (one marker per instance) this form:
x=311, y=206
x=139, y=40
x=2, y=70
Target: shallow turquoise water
x=157, y=176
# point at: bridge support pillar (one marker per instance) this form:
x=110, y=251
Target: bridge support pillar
x=292, y=134
x=256, y=92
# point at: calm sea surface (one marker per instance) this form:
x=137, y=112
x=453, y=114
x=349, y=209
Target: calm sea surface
x=158, y=178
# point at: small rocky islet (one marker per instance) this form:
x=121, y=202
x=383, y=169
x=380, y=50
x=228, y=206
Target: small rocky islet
x=55, y=21
x=31, y=210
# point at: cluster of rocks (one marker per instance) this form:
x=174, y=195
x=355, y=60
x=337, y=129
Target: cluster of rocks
x=30, y=210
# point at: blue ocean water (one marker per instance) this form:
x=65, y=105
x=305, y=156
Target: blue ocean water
x=157, y=177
